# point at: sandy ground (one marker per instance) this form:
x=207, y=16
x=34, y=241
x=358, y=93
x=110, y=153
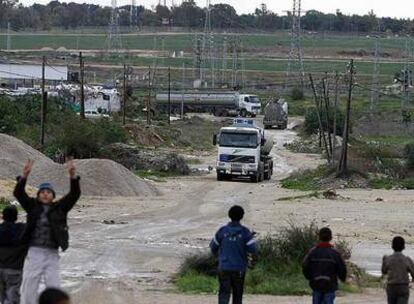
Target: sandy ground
x=125, y=250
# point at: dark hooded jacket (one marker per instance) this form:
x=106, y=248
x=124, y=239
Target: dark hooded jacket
x=57, y=214
x=322, y=267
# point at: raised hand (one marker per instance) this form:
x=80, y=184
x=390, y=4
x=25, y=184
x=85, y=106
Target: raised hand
x=71, y=168
x=27, y=168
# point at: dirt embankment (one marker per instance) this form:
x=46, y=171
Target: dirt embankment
x=99, y=177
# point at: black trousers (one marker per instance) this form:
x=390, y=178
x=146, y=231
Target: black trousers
x=398, y=294
x=231, y=283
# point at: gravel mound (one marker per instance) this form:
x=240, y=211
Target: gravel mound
x=102, y=177
x=99, y=177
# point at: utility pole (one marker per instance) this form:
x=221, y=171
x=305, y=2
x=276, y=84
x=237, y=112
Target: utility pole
x=224, y=63
x=149, y=97
x=124, y=95
x=325, y=85
x=375, y=78
x=43, y=105
x=82, y=89
x=318, y=113
x=343, y=164
x=8, y=41
x=407, y=81
x=169, y=95
x=182, y=93
x=335, y=114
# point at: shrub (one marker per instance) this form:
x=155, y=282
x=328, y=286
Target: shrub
x=297, y=94
x=409, y=155
x=84, y=138
x=311, y=125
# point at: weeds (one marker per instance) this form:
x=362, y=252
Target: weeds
x=306, y=180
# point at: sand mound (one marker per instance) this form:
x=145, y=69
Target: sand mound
x=99, y=177
x=104, y=177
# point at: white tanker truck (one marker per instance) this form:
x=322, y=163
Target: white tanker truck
x=217, y=103
x=243, y=151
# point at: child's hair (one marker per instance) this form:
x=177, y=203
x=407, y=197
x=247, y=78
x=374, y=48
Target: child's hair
x=236, y=213
x=325, y=234
x=398, y=244
x=53, y=296
x=10, y=214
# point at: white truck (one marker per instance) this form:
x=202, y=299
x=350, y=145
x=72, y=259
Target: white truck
x=243, y=151
x=217, y=103
x=276, y=114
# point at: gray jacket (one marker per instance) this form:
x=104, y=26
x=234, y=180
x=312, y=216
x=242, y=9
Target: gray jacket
x=397, y=267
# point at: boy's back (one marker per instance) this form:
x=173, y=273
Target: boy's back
x=397, y=267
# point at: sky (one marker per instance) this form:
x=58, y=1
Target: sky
x=383, y=8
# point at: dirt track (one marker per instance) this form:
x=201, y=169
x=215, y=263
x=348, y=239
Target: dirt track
x=124, y=250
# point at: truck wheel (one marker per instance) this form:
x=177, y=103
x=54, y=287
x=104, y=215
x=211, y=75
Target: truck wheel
x=266, y=127
x=254, y=178
x=253, y=115
x=243, y=113
x=261, y=172
x=221, y=177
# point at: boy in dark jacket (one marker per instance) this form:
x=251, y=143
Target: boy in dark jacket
x=398, y=267
x=46, y=231
x=322, y=267
x=12, y=255
x=232, y=243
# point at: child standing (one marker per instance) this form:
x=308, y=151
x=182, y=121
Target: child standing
x=397, y=268
x=232, y=244
x=12, y=255
x=46, y=231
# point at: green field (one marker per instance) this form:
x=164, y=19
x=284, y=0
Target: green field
x=184, y=41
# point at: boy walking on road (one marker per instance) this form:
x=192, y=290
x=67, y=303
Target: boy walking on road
x=322, y=267
x=232, y=244
x=397, y=267
x=46, y=231
x=12, y=255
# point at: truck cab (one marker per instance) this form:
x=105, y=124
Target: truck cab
x=249, y=105
x=240, y=152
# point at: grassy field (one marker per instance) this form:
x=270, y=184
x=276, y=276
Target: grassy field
x=184, y=41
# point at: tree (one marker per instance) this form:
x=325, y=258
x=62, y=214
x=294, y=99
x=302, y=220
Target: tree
x=6, y=7
x=223, y=16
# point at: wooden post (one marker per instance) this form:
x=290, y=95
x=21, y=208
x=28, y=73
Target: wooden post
x=335, y=116
x=149, y=97
x=82, y=84
x=321, y=129
x=327, y=108
x=124, y=95
x=343, y=164
x=43, y=104
x=169, y=95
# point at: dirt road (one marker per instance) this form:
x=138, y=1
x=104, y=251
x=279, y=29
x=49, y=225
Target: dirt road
x=125, y=250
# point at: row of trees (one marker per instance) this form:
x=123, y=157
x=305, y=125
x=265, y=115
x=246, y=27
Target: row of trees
x=188, y=14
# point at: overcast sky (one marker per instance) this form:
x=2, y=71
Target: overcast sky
x=397, y=8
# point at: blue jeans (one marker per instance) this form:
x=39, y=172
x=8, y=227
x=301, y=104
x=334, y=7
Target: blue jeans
x=323, y=298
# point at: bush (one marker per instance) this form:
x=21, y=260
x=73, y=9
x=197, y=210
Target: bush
x=84, y=138
x=409, y=155
x=3, y=203
x=65, y=131
x=311, y=125
x=297, y=94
